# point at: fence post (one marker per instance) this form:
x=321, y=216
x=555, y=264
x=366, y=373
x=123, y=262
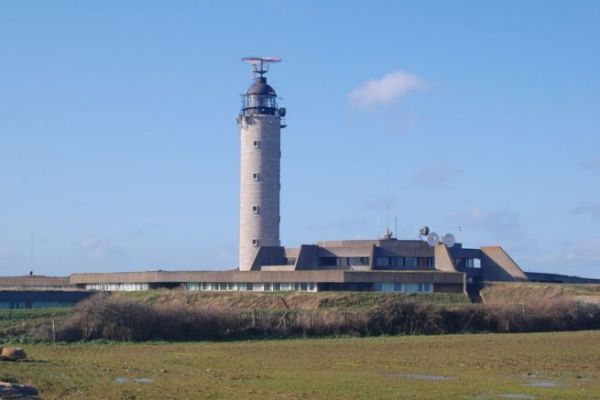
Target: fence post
x=53, y=331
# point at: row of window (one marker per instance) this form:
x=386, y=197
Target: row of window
x=343, y=261
x=404, y=262
x=467, y=263
x=259, y=101
x=403, y=287
x=252, y=287
x=117, y=287
x=259, y=287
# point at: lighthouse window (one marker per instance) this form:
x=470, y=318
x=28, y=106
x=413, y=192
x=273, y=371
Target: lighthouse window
x=256, y=144
x=255, y=242
x=256, y=177
x=256, y=209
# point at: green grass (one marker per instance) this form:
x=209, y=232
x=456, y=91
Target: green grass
x=350, y=301
x=484, y=366
x=30, y=324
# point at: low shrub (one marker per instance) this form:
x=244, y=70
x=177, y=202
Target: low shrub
x=126, y=318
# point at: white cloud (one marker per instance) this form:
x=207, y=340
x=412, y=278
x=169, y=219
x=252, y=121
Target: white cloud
x=387, y=89
x=435, y=176
x=588, y=208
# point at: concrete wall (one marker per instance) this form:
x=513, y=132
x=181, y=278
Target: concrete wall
x=260, y=154
x=497, y=265
x=35, y=281
x=272, y=276
x=443, y=260
x=308, y=257
x=269, y=255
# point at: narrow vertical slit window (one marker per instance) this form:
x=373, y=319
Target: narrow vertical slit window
x=256, y=176
x=256, y=210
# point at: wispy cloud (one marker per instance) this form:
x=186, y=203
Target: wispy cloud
x=588, y=208
x=386, y=89
x=590, y=165
x=98, y=251
x=435, y=176
x=499, y=223
x=581, y=257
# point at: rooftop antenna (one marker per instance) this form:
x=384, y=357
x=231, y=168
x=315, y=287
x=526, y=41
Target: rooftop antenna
x=449, y=240
x=31, y=251
x=260, y=65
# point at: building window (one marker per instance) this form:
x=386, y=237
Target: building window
x=252, y=287
x=328, y=261
x=256, y=176
x=343, y=261
x=358, y=261
x=256, y=144
x=382, y=261
x=117, y=287
x=421, y=287
x=256, y=210
x=471, y=262
x=397, y=261
x=410, y=261
x=255, y=242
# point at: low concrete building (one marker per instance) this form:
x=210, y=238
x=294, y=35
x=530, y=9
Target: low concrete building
x=389, y=265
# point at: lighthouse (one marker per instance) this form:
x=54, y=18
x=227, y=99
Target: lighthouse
x=260, y=122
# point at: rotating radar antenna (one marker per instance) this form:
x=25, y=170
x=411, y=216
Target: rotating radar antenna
x=260, y=65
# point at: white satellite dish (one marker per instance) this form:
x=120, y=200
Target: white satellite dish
x=449, y=240
x=433, y=239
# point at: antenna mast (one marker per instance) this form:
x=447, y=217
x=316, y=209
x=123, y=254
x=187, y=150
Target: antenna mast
x=260, y=65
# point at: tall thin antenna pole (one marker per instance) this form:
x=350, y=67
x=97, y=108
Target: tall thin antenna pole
x=396, y=226
x=31, y=249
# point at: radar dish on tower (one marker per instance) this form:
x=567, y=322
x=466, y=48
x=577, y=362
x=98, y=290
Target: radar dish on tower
x=260, y=65
x=424, y=231
x=449, y=239
x=433, y=239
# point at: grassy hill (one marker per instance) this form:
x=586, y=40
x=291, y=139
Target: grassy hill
x=526, y=292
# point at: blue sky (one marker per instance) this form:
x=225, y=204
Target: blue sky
x=119, y=148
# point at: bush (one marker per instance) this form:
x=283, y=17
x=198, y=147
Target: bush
x=125, y=318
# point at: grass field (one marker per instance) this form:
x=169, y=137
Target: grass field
x=486, y=366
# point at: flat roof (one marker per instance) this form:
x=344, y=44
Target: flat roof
x=329, y=276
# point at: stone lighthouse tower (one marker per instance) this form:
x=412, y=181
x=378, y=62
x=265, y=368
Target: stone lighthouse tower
x=260, y=128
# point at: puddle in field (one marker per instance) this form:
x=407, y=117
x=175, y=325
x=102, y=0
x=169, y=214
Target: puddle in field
x=510, y=396
x=122, y=379
x=543, y=384
x=536, y=379
x=420, y=377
